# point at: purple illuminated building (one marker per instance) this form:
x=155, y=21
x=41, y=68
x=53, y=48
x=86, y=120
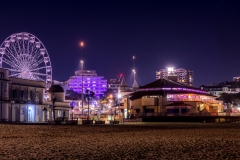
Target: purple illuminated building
x=91, y=82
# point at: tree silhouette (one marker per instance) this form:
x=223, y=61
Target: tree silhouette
x=89, y=95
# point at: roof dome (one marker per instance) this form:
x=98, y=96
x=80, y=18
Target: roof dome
x=56, y=88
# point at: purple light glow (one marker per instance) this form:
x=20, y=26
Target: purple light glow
x=97, y=85
x=174, y=89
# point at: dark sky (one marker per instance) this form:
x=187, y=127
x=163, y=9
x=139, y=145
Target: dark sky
x=203, y=36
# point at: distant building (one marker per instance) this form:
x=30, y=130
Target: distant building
x=223, y=87
x=236, y=79
x=118, y=85
x=63, y=84
x=90, y=81
x=113, y=84
x=123, y=86
x=183, y=75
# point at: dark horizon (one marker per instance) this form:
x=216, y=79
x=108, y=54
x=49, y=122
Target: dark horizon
x=202, y=36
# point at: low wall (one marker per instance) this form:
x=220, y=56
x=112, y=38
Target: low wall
x=213, y=119
x=132, y=119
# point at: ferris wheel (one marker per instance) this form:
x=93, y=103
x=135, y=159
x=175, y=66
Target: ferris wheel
x=25, y=56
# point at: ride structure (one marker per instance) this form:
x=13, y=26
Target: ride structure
x=25, y=56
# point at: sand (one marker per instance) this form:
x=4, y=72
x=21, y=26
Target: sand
x=140, y=141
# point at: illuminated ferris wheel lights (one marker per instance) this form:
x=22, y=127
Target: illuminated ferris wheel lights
x=13, y=40
x=32, y=39
x=24, y=55
x=46, y=59
x=48, y=68
x=38, y=45
x=19, y=37
x=42, y=51
x=49, y=78
x=7, y=44
x=2, y=50
x=25, y=38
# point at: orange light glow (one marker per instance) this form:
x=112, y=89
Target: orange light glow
x=81, y=44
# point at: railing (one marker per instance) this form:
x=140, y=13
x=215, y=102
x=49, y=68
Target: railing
x=140, y=115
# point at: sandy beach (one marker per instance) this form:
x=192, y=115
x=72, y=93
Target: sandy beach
x=125, y=141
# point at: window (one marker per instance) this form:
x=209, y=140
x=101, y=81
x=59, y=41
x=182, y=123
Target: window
x=1, y=75
x=14, y=93
x=184, y=110
x=22, y=94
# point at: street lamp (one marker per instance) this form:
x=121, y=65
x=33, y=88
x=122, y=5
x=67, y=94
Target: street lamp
x=117, y=104
x=115, y=100
x=81, y=43
x=110, y=96
x=119, y=96
x=82, y=84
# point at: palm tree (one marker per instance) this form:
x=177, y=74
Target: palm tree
x=53, y=102
x=89, y=95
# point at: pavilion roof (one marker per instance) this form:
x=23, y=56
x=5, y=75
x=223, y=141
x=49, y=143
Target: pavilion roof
x=163, y=86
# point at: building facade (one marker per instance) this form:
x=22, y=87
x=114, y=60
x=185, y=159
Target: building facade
x=169, y=97
x=217, y=89
x=63, y=84
x=114, y=84
x=88, y=80
x=183, y=75
x=118, y=85
x=22, y=100
x=236, y=79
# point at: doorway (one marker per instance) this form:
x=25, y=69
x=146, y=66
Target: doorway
x=30, y=114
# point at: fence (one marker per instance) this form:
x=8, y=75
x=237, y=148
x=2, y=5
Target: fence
x=140, y=115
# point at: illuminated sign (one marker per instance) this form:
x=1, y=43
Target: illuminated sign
x=173, y=89
x=191, y=97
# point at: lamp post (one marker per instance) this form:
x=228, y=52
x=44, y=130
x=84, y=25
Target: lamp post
x=82, y=84
x=119, y=96
x=81, y=46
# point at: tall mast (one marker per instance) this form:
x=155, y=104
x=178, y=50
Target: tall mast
x=135, y=84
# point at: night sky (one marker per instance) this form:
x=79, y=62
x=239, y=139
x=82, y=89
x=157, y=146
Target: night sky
x=203, y=36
